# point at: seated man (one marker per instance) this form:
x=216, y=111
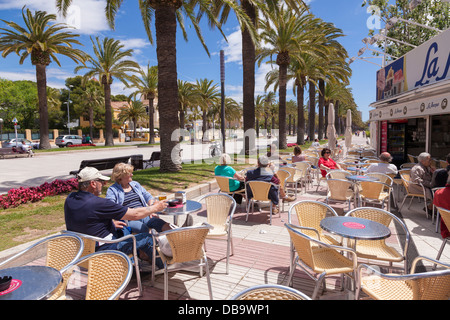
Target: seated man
x=383, y=167
x=86, y=212
x=421, y=173
x=265, y=172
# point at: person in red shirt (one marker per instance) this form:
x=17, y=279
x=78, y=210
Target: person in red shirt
x=326, y=163
x=442, y=199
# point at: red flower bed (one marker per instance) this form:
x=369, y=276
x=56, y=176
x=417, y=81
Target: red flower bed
x=16, y=197
x=291, y=145
x=82, y=145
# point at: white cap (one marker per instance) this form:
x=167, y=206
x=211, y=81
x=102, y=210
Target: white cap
x=90, y=173
x=263, y=160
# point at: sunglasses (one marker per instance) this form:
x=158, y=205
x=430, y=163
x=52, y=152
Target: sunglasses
x=327, y=152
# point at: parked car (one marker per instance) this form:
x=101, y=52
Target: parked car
x=67, y=140
x=12, y=143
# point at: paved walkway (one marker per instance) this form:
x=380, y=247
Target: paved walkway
x=261, y=254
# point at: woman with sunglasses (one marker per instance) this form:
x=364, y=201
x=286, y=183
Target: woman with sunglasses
x=326, y=163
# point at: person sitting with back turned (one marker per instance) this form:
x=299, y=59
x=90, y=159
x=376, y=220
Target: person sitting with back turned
x=265, y=172
x=298, y=157
x=440, y=176
x=86, y=212
x=316, y=143
x=131, y=194
x=384, y=167
x=422, y=173
x=225, y=170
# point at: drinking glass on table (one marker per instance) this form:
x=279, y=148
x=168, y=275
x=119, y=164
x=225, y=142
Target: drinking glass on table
x=162, y=197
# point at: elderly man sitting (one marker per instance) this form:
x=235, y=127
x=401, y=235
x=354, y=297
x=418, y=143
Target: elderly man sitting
x=383, y=167
x=422, y=173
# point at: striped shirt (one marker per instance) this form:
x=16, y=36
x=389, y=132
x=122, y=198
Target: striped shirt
x=132, y=200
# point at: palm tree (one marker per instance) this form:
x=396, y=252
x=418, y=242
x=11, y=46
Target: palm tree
x=248, y=23
x=92, y=98
x=134, y=112
x=287, y=35
x=186, y=98
x=208, y=94
x=42, y=42
x=165, y=14
x=147, y=86
x=110, y=62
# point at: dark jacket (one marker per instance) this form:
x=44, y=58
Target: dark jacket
x=263, y=174
x=439, y=178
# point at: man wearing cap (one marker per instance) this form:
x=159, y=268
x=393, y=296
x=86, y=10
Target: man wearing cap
x=86, y=212
x=265, y=172
x=383, y=167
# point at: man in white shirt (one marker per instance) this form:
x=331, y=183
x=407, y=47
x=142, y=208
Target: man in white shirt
x=383, y=167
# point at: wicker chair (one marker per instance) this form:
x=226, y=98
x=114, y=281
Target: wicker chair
x=295, y=175
x=375, y=192
x=109, y=273
x=445, y=215
x=406, y=179
x=305, y=168
x=339, y=190
x=412, y=159
x=283, y=175
x=434, y=285
x=408, y=165
x=224, y=186
x=309, y=214
x=187, y=245
x=337, y=174
x=219, y=214
x=378, y=249
x=270, y=292
x=61, y=251
x=319, y=259
x=89, y=248
x=260, y=191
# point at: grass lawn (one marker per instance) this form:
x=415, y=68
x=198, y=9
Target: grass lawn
x=35, y=220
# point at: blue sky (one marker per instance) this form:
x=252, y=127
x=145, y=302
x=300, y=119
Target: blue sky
x=192, y=61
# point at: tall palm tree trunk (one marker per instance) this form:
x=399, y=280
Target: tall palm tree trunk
x=282, y=104
x=248, y=66
x=108, y=111
x=321, y=106
x=166, y=28
x=312, y=111
x=41, y=79
x=326, y=106
x=151, y=120
x=300, y=114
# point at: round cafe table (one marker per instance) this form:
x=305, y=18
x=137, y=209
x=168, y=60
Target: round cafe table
x=190, y=206
x=30, y=282
x=355, y=228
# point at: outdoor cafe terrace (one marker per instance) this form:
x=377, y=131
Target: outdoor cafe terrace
x=261, y=251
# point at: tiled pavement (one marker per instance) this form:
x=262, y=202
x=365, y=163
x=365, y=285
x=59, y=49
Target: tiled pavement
x=261, y=255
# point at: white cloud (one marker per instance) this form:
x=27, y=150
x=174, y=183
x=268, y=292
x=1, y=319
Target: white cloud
x=87, y=16
x=233, y=48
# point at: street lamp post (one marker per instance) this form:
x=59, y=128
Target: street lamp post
x=222, y=106
x=1, y=132
x=68, y=113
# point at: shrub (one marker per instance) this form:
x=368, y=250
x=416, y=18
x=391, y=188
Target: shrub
x=82, y=145
x=16, y=197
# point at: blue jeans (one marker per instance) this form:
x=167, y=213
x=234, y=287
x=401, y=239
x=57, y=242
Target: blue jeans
x=144, y=225
x=144, y=242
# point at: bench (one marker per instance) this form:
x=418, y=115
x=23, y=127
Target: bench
x=9, y=152
x=101, y=164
